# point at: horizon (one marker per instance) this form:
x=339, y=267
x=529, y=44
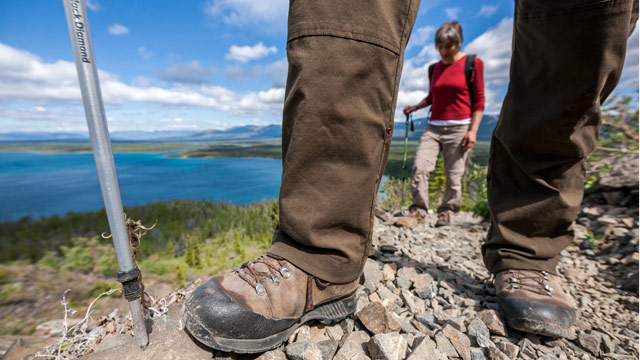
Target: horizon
x=210, y=65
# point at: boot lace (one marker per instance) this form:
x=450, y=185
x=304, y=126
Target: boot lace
x=253, y=276
x=537, y=282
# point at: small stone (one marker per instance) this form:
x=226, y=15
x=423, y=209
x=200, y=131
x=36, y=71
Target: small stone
x=608, y=345
x=390, y=346
x=372, y=272
x=509, y=349
x=328, y=348
x=495, y=354
x=477, y=354
x=303, y=350
x=335, y=332
x=424, y=349
x=590, y=342
x=444, y=345
x=459, y=341
x=353, y=347
x=484, y=341
x=422, y=281
x=276, y=354
x=477, y=327
x=377, y=319
x=493, y=321
x=415, y=305
x=388, y=273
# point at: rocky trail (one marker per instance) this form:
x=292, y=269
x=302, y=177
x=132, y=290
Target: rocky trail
x=425, y=294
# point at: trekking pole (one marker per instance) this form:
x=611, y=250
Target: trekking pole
x=129, y=274
x=404, y=158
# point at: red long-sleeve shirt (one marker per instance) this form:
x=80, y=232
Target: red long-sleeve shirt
x=449, y=94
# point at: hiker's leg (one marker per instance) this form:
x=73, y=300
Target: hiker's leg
x=423, y=164
x=455, y=158
x=345, y=60
x=549, y=123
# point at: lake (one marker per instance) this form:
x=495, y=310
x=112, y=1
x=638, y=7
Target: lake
x=54, y=184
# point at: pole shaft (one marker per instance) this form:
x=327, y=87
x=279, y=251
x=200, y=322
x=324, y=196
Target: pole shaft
x=80, y=34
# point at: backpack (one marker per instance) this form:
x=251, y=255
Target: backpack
x=469, y=68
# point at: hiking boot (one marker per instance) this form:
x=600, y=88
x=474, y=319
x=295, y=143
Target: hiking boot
x=257, y=307
x=417, y=213
x=533, y=302
x=443, y=219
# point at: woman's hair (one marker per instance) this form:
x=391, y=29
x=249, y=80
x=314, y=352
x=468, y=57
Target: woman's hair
x=449, y=32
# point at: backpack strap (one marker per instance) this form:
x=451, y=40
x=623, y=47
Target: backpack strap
x=432, y=67
x=469, y=68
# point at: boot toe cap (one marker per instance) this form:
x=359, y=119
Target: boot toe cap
x=538, y=317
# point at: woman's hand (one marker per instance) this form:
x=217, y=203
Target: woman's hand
x=469, y=140
x=409, y=109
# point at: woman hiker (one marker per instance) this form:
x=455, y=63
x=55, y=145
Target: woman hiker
x=456, y=96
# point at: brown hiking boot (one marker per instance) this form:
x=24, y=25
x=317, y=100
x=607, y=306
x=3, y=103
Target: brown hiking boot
x=443, y=219
x=417, y=213
x=257, y=307
x=533, y=302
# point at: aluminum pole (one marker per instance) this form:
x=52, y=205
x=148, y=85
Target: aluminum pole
x=80, y=34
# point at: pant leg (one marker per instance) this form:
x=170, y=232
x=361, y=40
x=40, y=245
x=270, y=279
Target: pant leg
x=567, y=58
x=424, y=163
x=455, y=160
x=345, y=60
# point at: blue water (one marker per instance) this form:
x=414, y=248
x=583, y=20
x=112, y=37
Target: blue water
x=44, y=185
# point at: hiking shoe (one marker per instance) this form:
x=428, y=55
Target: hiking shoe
x=417, y=213
x=533, y=302
x=443, y=219
x=257, y=307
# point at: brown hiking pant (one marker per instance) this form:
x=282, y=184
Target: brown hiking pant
x=436, y=139
x=345, y=60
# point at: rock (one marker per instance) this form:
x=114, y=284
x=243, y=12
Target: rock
x=589, y=342
x=372, y=272
x=353, y=347
x=459, y=340
x=422, y=281
x=477, y=327
x=327, y=348
x=623, y=173
x=377, y=319
x=509, y=349
x=388, y=273
x=389, y=346
x=444, y=345
x=303, y=350
x=276, y=354
x=335, y=332
x=493, y=321
x=405, y=222
x=495, y=354
x=425, y=349
x=415, y=305
x=477, y=354
x=484, y=341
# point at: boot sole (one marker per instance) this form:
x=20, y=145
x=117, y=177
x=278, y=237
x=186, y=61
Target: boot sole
x=541, y=328
x=332, y=312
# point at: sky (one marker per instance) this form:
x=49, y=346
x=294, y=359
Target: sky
x=209, y=64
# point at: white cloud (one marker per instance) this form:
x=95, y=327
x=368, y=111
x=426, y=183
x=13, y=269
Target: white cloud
x=488, y=10
x=494, y=48
x=93, y=5
x=244, y=54
x=25, y=78
x=629, y=78
x=452, y=13
x=190, y=73
x=268, y=15
x=421, y=36
x=117, y=29
x=145, y=53
x=276, y=71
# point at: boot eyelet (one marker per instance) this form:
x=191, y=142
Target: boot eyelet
x=260, y=290
x=275, y=279
x=548, y=288
x=285, y=272
x=512, y=280
x=512, y=287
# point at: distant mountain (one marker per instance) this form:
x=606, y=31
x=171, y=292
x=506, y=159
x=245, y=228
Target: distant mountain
x=249, y=132
x=487, y=125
